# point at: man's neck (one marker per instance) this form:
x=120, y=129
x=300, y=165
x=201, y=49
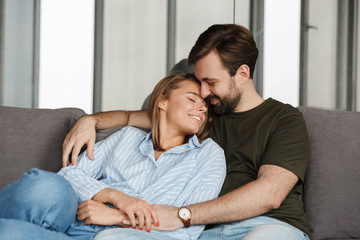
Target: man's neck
x=249, y=99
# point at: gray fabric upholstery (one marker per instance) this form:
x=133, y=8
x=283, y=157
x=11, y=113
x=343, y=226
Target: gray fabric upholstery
x=331, y=190
x=32, y=138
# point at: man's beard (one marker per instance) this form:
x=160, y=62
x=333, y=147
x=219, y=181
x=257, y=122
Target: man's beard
x=228, y=103
x=225, y=105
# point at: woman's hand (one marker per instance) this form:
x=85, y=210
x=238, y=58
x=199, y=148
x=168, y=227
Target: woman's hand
x=83, y=132
x=135, y=207
x=95, y=212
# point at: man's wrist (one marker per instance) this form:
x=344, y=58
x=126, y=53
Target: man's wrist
x=185, y=214
x=89, y=120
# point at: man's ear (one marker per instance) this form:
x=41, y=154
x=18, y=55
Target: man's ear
x=243, y=73
x=162, y=102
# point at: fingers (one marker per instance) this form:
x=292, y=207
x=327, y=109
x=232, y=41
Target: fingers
x=75, y=153
x=82, y=212
x=83, y=132
x=66, y=152
x=148, y=219
x=142, y=218
x=90, y=149
x=131, y=216
x=152, y=217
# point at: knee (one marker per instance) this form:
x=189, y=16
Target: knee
x=42, y=187
x=271, y=232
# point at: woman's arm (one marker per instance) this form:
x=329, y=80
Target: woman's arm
x=95, y=212
x=132, y=206
x=84, y=180
x=206, y=185
x=83, y=132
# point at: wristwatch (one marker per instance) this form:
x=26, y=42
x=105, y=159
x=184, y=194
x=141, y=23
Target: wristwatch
x=185, y=216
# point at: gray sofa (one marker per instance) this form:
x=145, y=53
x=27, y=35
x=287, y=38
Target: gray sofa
x=33, y=138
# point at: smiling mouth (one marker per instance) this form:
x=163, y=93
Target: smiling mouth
x=213, y=100
x=196, y=118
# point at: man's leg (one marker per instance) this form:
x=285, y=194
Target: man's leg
x=276, y=232
x=257, y=228
x=128, y=233
x=41, y=198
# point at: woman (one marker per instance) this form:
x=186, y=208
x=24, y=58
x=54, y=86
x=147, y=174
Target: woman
x=132, y=170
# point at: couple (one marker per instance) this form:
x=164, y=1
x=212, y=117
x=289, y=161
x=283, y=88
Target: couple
x=265, y=144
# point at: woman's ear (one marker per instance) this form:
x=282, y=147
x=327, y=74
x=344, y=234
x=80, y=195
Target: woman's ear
x=162, y=102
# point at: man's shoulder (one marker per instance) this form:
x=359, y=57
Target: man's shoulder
x=281, y=110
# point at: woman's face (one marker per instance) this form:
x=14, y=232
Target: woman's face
x=185, y=108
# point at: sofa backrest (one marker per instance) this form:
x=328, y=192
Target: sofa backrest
x=331, y=187
x=32, y=138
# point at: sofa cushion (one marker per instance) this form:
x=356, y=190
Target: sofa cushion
x=32, y=138
x=331, y=190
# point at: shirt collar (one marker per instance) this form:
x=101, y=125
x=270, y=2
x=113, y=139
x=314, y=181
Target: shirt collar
x=146, y=145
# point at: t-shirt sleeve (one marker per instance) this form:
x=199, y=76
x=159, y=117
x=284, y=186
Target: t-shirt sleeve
x=288, y=144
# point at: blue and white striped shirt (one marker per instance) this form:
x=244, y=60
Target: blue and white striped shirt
x=187, y=174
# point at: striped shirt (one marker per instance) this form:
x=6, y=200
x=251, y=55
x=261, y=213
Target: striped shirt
x=187, y=174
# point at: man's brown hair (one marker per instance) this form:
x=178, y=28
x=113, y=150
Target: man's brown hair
x=234, y=44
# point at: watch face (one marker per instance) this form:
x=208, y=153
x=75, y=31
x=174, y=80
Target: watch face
x=184, y=213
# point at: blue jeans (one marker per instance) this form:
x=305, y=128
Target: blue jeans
x=257, y=228
x=128, y=233
x=41, y=205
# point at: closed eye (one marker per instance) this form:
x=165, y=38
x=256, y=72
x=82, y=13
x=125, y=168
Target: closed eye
x=191, y=99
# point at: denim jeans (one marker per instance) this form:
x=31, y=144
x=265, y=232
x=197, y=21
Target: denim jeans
x=128, y=233
x=41, y=205
x=257, y=228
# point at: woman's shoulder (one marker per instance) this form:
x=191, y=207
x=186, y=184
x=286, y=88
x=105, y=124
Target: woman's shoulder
x=209, y=142
x=210, y=145
x=130, y=131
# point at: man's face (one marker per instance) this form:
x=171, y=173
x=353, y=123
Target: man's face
x=216, y=84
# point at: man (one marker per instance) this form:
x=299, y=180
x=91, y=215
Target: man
x=265, y=143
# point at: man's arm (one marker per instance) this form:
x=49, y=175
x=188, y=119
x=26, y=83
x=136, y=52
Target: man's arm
x=253, y=199
x=84, y=131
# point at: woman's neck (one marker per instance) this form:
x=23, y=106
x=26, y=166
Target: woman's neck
x=170, y=140
x=167, y=142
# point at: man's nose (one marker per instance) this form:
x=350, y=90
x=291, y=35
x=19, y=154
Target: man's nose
x=204, y=90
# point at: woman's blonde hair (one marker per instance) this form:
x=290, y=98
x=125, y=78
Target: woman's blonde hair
x=163, y=89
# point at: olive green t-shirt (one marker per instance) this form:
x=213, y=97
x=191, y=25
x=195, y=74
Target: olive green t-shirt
x=272, y=133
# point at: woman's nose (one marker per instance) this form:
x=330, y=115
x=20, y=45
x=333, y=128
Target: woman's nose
x=202, y=108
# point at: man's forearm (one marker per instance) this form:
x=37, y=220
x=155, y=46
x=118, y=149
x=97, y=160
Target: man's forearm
x=253, y=199
x=105, y=120
x=237, y=205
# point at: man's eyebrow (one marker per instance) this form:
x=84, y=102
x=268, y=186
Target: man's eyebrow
x=208, y=79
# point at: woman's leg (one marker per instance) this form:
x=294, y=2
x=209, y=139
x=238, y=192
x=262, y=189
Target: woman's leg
x=12, y=229
x=41, y=198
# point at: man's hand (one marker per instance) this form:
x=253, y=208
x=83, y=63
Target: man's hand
x=95, y=212
x=168, y=216
x=83, y=132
